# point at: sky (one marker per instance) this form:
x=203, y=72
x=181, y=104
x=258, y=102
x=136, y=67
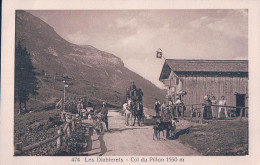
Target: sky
x=135, y=35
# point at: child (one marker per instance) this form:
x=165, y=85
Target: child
x=99, y=126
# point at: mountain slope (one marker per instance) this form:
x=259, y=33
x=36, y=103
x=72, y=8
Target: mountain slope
x=95, y=73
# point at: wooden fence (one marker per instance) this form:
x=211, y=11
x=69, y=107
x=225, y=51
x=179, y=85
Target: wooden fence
x=199, y=109
x=62, y=137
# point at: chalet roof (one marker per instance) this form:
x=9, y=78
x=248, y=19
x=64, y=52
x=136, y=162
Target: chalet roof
x=203, y=66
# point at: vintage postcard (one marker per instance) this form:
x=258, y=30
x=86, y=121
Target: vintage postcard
x=94, y=83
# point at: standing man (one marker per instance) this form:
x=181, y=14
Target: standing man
x=79, y=107
x=85, y=104
x=92, y=110
x=132, y=86
x=222, y=102
x=207, y=107
x=214, y=108
x=157, y=107
x=104, y=112
x=163, y=109
x=171, y=107
x=178, y=104
x=167, y=117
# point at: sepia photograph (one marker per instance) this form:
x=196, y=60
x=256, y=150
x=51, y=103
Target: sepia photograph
x=154, y=82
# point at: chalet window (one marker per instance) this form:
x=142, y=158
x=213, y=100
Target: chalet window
x=180, y=85
x=177, y=81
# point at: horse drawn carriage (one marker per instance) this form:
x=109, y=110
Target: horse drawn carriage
x=133, y=108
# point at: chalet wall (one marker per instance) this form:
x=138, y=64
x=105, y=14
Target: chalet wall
x=199, y=86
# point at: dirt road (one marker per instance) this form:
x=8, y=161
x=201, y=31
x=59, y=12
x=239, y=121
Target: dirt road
x=137, y=141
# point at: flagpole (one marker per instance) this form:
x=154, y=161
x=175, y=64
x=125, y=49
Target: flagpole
x=164, y=58
x=159, y=51
x=169, y=92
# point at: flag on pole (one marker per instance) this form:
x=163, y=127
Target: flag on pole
x=159, y=53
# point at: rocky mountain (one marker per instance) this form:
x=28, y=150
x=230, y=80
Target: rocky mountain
x=94, y=73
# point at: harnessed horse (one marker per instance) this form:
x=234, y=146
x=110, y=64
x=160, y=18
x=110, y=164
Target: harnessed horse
x=127, y=112
x=137, y=112
x=134, y=105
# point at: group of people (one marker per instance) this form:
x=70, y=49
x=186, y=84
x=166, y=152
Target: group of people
x=98, y=115
x=213, y=108
x=133, y=106
x=172, y=109
x=81, y=107
x=166, y=114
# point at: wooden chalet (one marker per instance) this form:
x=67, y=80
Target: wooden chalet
x=198, y=78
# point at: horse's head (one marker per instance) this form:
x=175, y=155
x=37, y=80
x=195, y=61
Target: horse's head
x=129, y=102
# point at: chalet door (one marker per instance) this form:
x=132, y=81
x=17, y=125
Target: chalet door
x=240, y=102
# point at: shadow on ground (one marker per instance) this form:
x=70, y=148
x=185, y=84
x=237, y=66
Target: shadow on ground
x=180, y=132
x=149, y=122
x=114, y=130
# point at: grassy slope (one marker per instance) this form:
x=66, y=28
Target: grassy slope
x=218, y=138
x=33, y=127
x=96, y=74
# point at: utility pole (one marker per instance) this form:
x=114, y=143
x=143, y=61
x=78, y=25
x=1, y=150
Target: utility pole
x=64, y=92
